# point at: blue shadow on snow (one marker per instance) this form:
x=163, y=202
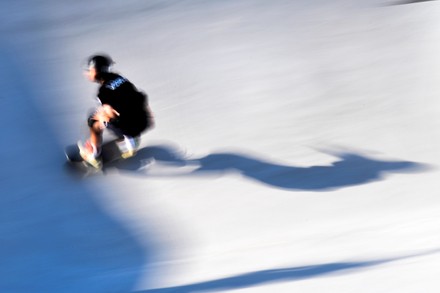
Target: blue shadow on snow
x=55, y=235
x=349, y=170
x=293, y=274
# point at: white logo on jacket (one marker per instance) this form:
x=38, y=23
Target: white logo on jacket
x=114, y=84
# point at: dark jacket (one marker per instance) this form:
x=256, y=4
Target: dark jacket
x=130, y=103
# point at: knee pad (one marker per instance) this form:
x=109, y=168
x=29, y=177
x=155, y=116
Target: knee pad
x=91, y=121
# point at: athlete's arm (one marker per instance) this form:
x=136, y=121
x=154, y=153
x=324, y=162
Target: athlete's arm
x=104, y=114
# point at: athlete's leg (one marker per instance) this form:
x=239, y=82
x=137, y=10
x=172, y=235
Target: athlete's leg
x=127, y=144
x=90, y=150
x=97, y=122
x=96, y=137
x=131, y=146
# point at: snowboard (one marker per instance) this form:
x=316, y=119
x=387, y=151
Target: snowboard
x=110, y=152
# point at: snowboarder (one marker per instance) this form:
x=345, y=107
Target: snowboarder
x=123, y=109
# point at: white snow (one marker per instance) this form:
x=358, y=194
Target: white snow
x=296, y=149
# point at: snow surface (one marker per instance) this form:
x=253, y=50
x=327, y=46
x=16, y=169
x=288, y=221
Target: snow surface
x=296, y=149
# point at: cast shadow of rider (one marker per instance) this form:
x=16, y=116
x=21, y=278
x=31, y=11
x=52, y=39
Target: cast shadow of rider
x=350, y=169
x=404, y=2
x=283, y=275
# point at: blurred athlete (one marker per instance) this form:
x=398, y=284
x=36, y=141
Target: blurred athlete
x=123, y=109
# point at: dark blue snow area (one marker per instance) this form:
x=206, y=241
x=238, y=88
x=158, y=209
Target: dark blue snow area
x=54, y=235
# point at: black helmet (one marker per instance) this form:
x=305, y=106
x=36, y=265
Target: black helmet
x=101, y=63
